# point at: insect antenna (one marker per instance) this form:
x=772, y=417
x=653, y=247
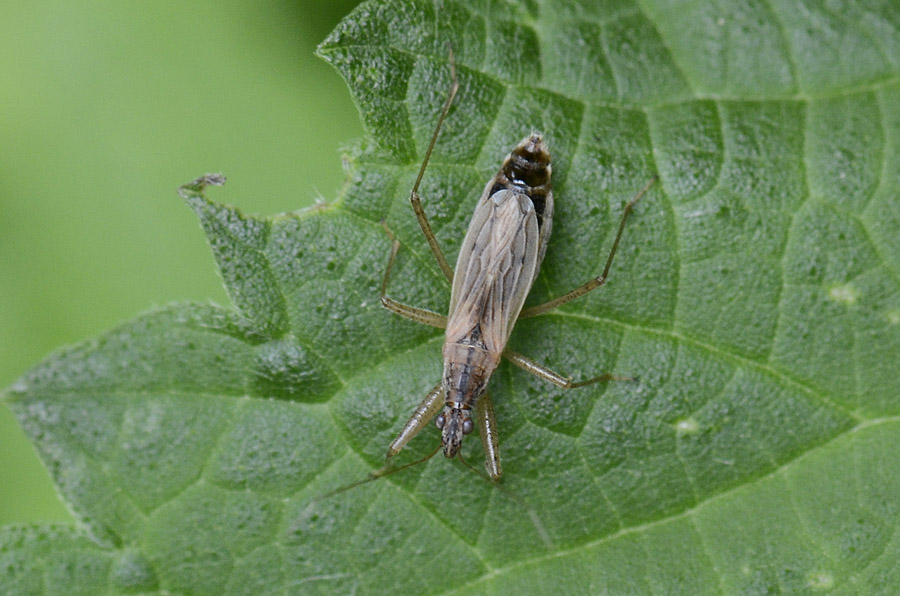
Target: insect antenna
x=532, y=514
x=385, y=470
x=381, y=472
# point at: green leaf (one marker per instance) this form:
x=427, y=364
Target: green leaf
x=755, y=295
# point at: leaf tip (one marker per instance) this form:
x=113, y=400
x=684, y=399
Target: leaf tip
x=197, y=186
x=14, y=391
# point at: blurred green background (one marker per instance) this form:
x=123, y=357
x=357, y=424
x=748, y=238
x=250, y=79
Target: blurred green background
x=106, y=107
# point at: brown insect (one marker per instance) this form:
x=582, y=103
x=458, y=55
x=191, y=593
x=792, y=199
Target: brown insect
x=498, y=262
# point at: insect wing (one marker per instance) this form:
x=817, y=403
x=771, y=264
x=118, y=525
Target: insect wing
x=496, y=266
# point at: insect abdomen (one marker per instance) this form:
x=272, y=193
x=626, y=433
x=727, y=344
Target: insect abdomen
x=527, y=168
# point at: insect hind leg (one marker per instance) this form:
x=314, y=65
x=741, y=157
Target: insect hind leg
x=598, y=281
x=414, y=198
x=420, y=315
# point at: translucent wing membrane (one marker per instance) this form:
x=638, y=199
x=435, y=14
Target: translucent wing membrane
x=494, y=271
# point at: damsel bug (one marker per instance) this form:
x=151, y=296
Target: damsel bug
x=498, y=262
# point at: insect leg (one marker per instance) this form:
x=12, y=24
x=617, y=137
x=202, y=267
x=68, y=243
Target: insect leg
x=420, y=315
x=487, y=428
x=427, y=410
x=539, y=370
x=597, y=281
x=414, y=195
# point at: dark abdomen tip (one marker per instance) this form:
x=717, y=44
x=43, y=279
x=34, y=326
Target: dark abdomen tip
x=528, y=165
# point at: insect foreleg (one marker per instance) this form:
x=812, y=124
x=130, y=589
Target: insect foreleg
x=539, y=370
x=595, y=283
x=427, y=410
x=487, y=429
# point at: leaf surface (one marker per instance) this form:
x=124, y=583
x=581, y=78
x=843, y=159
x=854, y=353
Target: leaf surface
x=755, y=296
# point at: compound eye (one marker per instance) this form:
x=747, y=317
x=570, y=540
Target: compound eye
x=468, y=426
x=440, y=421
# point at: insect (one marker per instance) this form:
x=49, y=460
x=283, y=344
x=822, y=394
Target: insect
x=498, y=261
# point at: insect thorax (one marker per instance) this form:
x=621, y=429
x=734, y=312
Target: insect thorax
x=467, y=370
